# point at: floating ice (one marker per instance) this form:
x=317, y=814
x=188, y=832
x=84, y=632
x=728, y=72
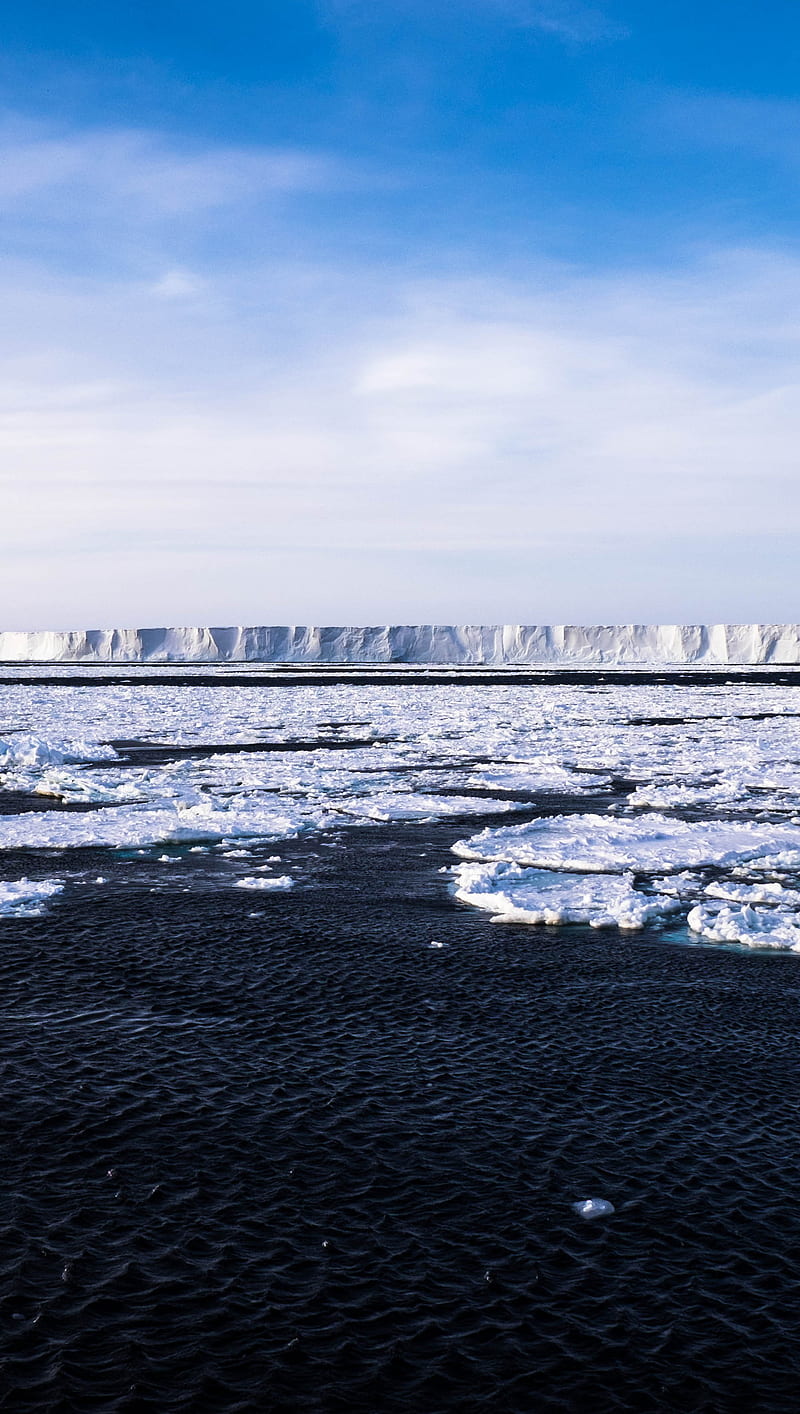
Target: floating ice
x=603, y=844
x=518, y=895
x=753, y=893
x=685, y=885
x=753, y=927
x=589, y=1208
x=26, y=898
x=436, y=751
x=281, y=881
x=22, y=749
x=126, y=827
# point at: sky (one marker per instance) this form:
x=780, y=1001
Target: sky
x=410, y=311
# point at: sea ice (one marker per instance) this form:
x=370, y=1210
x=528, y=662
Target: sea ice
x=589, y=1208
x=25, y=898
x=754, y=927
x=435, y=751
x=280, y=881
x=754, y=893
x=514, y=894
x=642, y=843
x=23, y=749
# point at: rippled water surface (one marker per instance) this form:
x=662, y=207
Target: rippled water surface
x=317, y=1150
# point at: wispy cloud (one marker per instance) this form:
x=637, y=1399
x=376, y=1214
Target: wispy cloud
x=571, y=20
x=144, y=173
x=568, y=19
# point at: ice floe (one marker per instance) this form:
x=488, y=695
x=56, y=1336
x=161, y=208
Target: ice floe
x=514, y=894
x=642, y=843
x=26, y=751
x=590, y=1208
x=26, y=898
x=251, y=881
x=753, y=927
x=773, y=893
x=127, y=827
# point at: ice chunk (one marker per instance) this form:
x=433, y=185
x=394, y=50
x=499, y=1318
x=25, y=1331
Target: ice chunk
x=128, y=826
x=753, y=927
x=26, y=898
x=589, y=1208
x=642, y=843
x=514, y=894
x=683, y=886
x=281, y=881
x=753, y=893
x=22, y=749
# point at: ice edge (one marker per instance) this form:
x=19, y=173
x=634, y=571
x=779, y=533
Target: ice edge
x=447, y=644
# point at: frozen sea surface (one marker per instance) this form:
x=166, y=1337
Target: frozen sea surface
x=700, y=781
x=289, y=1124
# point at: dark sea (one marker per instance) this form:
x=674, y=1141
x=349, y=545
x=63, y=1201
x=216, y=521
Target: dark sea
x=318, y=1151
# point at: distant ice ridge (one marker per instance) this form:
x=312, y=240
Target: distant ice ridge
x=446, y=644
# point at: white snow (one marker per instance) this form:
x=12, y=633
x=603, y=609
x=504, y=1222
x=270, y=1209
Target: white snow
x=26, y=898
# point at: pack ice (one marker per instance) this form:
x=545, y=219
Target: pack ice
x=603, y=871
x=720, y=764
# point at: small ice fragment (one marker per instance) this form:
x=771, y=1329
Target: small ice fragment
x=100, y=879
x=593, y=1208
x=434, y=944
x=283, y=881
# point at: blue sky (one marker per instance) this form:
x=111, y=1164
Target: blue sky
x=335, y=311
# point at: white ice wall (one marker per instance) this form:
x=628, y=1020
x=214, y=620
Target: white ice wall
x=464, y=645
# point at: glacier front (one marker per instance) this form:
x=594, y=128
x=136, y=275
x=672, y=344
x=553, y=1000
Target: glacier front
x=465, y=645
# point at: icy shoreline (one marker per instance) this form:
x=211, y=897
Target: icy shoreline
x=668, y=645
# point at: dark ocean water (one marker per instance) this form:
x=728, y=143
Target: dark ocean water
x=305, y=1161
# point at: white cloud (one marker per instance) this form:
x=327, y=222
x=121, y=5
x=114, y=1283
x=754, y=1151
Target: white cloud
x=294, y=441
x=177, y=284
x=142, y=174
x=570, y=20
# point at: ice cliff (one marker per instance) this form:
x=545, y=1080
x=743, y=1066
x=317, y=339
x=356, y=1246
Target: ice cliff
x=458, y=645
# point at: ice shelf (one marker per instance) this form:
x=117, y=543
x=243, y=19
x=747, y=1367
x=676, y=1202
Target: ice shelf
x=457, y=645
